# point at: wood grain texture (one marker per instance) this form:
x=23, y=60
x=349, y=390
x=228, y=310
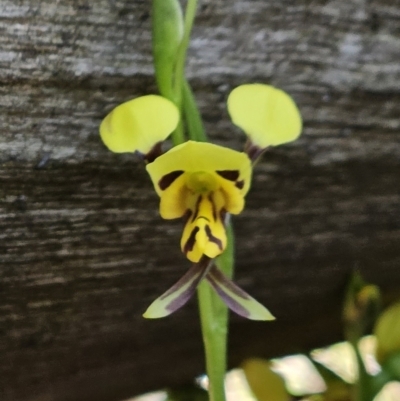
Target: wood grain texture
x=83, y=250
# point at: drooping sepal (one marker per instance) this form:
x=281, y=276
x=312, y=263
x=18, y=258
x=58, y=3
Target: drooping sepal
x=180, y=292
x=235, y=298
x=267, y=115
x=139, y=124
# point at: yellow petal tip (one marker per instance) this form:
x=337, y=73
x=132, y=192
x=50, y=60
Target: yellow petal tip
x=153, y=312
x=268, y=115
x=137, y=125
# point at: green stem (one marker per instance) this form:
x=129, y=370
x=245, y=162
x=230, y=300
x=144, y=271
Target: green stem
x=167, y=34
x=179, y=76
x=214, y=325
x=178, y=136
x=214, y=338
x=363, y=390
x=192, y=116
x=190, y=13
x=213, y=312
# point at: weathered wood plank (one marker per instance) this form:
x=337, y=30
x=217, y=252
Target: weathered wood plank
x=84, y=253
x=83, y=250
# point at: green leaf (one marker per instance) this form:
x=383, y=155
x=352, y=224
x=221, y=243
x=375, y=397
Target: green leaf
x=336, y=387
x=387, y=332
x=265, y=384
x=392, y=366
x=167, y=25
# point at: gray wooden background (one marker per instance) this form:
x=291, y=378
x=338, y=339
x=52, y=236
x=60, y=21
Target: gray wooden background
x=83, y=250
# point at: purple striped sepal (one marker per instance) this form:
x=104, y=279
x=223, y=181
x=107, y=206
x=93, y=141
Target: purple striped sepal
x=234, y=297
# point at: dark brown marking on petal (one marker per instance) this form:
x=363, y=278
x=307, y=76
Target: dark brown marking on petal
x=222, y=215
x=191, y=241
x=239, y=184
x=196, y=208
x=187, y=215
x=231, y=175
x=211, y=237
x=167, y=179
x=214, y=209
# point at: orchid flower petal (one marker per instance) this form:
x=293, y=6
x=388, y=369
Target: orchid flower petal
x=235, y=298
x=268, y=115
x=139, y=124
x=174, y=198
x=193, y=157
x=180, y=292
x=204, y=231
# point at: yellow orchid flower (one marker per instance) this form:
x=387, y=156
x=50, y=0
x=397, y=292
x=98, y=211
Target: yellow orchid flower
x=202, y=182
x=267, y=115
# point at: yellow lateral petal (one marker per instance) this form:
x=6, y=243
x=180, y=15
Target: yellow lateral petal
x=266, y=114
x=200, y=157
x=137, y=125
x=173, y=202
x=233, y=200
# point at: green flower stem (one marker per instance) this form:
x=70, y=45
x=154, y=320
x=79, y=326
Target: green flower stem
x=214, y=337
x=360, y=386
x=173, y=84
x=182, y=49
x=192, y=115
x=214, y=325
x=367, y=387
x=178, y=136
x=170, y=40
x=213, y=312
x=179, y=76
x=167, y=35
